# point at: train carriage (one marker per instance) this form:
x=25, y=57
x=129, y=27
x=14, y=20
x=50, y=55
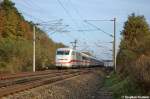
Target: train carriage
x=70, y=58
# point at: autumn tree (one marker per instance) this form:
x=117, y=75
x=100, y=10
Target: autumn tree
x=16, y=36
x=133, y=58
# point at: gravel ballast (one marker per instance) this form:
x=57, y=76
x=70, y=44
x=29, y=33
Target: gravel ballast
x=80, y=87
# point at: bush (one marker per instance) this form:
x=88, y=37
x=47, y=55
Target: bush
x=121, y=87
x=133, y=58
x=141, y=72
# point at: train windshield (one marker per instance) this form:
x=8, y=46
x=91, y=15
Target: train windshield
x=64, y=52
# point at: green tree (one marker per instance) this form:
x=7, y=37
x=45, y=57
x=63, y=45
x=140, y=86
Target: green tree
x=16, y=48
x=133, y=58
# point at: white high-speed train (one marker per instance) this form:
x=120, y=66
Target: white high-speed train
x=70, y=58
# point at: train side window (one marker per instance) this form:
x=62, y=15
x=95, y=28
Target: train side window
x=77, y=55
x=84, y=58
x=73, y=53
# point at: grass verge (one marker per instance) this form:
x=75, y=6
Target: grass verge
x=121, y=87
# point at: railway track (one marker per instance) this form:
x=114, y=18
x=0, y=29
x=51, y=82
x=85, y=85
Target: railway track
x=21, y=78
x=21, y=82
x=23, y=74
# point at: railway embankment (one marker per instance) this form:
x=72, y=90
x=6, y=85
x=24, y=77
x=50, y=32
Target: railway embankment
x=123, y=87
x=84, y=86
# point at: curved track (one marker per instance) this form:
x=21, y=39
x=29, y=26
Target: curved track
x=10, y=84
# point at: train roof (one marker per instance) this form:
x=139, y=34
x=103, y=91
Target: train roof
x=84, y=53
x=64, y=49
x=68, y=49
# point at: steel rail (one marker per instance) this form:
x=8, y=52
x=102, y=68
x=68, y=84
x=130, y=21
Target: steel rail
x=4, y=91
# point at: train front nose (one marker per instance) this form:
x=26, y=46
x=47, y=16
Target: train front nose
x=62, y=61
x=62, y=57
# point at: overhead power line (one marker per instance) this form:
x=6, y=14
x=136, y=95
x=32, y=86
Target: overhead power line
x=30, y=3
x=74, y=44
x=80, y=16
x=98, y=28
x=77, y=12
x=99, y=20
x=67, y=12
x=49, y=26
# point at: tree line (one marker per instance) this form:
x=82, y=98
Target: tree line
x=16, y=37
x=133, y=58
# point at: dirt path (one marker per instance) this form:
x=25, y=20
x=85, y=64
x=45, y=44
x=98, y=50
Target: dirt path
x=103, y=93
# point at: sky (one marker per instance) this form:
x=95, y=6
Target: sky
x=67, y=20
